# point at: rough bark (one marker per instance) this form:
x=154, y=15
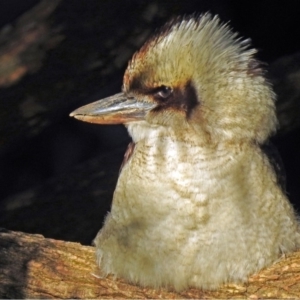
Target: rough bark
x=35, y=267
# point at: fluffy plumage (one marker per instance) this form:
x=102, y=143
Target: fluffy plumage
x=197, y=204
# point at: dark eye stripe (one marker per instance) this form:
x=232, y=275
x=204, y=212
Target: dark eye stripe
x=184, y=99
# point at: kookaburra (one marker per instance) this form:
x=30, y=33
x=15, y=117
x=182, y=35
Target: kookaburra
x=197, y=203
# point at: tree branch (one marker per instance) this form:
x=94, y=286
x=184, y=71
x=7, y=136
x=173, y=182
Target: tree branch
x=35, y=267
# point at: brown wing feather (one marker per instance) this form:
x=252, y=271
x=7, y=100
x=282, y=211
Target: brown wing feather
x=127, y=155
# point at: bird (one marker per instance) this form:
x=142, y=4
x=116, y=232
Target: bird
x=198, y=203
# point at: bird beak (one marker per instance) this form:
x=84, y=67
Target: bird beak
x=117, y=109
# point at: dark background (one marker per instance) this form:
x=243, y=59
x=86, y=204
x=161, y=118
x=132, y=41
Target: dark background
x=49, y=175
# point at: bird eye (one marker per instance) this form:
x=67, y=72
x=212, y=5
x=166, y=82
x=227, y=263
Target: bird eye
x=164, y=92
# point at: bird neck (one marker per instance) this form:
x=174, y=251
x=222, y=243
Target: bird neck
x=187, y=134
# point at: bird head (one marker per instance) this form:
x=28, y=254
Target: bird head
x=194, y=79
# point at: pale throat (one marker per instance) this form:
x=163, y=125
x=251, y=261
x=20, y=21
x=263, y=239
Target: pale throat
x=164, y=144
